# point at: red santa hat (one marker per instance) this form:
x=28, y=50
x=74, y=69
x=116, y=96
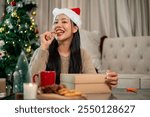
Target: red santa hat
x=73, y=14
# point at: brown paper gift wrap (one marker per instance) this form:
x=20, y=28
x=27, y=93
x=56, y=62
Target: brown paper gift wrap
x=2, y=85
x=86, y=83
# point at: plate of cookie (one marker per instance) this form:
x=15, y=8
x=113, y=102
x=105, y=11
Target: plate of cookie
x=59, y=92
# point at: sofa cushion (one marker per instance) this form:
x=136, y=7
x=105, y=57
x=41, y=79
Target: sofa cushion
x=90, y=42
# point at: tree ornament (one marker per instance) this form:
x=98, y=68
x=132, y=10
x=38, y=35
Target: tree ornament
x=27, y=1
x=10, y=26
x=20, y=4
x=33, y=2
x=2, y=43
x=14, y=14
x=2, y=53
x=33, y=24
x=31, y=27
x=28, y=49
x=7, y=21
x=10, y=9
x=13, y=3
x=32, y=20
x=34, y=13
x=1, y=29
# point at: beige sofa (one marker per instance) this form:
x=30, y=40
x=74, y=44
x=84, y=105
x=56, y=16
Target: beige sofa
x=128, y=56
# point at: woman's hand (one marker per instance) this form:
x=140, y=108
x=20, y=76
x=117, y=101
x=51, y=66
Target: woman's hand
x=111, y=78
x=46, y=39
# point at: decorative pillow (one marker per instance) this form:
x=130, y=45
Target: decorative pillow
x=90, y=42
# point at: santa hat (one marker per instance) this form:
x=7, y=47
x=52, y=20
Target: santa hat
x=73, y=14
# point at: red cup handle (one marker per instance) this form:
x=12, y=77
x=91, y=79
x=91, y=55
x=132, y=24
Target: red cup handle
x=34, y=77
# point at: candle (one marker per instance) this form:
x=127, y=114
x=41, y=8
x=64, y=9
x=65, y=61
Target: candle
x=30, y=90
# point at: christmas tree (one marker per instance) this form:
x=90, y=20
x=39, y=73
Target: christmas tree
x=18, y=32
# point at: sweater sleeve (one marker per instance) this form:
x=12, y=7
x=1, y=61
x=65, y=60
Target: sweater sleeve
x=38, y=61
x=88, y=66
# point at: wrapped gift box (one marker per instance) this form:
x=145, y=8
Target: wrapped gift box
x=86, y=83
x=2, y=85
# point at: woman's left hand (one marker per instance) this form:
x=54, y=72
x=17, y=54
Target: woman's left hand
x=111, y=78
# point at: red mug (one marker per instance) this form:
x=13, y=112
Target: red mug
x=45, y=78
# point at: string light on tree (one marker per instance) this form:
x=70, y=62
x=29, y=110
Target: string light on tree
x=13, y=43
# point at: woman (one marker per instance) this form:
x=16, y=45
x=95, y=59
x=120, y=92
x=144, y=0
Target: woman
x=60, y=49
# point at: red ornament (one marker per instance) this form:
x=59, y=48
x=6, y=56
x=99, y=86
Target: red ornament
x=13, y=3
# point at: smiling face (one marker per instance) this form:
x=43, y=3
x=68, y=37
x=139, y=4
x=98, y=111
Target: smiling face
x=64, y=28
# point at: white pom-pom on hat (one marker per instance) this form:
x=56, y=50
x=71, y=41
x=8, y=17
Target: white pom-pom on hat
x=73, y=14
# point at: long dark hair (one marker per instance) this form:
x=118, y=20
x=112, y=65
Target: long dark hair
x=75, y=62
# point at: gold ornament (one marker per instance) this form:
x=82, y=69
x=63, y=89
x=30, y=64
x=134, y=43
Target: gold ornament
x=34, y=13
x=14, y=14
x=1, y=29
x=33, y=24
x=33, y=20
x=31, y=27
x=28, y=49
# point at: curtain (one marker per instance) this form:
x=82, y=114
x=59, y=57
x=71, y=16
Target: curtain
x=2, y=6
x=114, y=18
